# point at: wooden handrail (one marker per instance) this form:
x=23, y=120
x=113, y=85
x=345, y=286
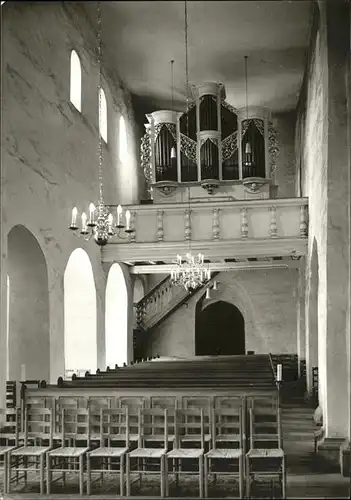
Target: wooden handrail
x=152, y=291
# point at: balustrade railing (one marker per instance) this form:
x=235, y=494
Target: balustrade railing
x=160, y=302
x=205, y=221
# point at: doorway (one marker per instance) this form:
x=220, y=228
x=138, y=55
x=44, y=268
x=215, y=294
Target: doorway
x=219, y=330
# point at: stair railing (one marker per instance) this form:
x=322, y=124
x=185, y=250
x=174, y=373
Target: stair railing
x=161, y=301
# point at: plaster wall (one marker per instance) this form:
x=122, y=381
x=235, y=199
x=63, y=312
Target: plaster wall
x=50, y=151
x=265, y=298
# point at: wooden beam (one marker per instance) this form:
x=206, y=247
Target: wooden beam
x=213, y=250
x=220, y=266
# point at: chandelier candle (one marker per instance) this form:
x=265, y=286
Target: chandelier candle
x=74, y=218
x=119, y=216
x=84, y=224
x=128, y=220
x=109, y=223
x=91, y=215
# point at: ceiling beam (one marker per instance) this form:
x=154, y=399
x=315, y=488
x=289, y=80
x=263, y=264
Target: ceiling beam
x=221, y=266
x=213, y=250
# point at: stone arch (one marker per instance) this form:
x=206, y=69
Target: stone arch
x=28, y=308
x=116, y=317
x=219, y=329
x=138, y=289
x=312, y=285
x=80, y=314
x=234, y=292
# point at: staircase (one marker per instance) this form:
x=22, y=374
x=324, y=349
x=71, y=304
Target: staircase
x=162, y=301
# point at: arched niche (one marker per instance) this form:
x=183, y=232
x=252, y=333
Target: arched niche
x=28, y=308
x=219, y=329
x=116, y=317
x=79, y=314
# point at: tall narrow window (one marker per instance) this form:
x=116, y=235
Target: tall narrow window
x=103, y=115
x=123, y=146
x=76, y=81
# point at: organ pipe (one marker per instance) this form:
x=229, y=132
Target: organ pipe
x=214, y=141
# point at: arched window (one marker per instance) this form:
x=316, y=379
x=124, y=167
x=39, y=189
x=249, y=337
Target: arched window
x=76, y=81
x=116, y=318
x=80, y=314
x=103, y=115
x=123, y=144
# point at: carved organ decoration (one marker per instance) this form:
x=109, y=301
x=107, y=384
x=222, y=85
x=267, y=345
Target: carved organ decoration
x=211, y=143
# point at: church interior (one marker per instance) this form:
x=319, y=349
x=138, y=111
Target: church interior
x=175, y=249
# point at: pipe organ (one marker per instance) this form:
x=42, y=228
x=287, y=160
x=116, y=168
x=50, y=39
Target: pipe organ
x=213, y=146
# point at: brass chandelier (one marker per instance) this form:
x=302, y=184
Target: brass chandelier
x=100, y=224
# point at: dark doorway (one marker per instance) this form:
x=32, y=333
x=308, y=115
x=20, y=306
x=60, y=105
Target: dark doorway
x=219, y=330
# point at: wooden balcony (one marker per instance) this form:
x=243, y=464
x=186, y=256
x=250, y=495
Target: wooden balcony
x=225, y=230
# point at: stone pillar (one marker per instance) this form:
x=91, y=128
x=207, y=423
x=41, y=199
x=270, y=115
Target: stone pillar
x=337, y=421
x=3, y=329
x=130, y=291
x=311, y=316
x=300, y=327
x=57, y=327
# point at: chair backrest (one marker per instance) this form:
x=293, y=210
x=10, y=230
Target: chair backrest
x=227, y=426
x=223, y=402
x=114, y=426
x=153, y=426
x=265, y=426
x=95, y=405
x=163, y=402
x=189, y=425
x=263, y=402
x=205, y=403
x=9, y=433
x=134, y=403
x=76, y=425
x=38, y=424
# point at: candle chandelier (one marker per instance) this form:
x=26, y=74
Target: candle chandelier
x=100, y=224
x=190, y=271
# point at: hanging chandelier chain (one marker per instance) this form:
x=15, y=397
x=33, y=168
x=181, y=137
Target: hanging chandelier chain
x=99, y=97
x=172, y=84
x=186, y=64
x=247, y=98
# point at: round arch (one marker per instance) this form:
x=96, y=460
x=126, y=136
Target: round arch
x=138, y=289
x=219, y=329
x=79, y=314
x=116, y=317
x=28, y=307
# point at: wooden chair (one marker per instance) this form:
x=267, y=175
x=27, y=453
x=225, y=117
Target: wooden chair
x=31, y=457
x=189, y=428
x=227, y=429
x=114, y=444
x=153, y=431
x=9, y=440
x=134, y=404
x=265, y=463
x=206, y=404
x=95, y=405
x=75, y=430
